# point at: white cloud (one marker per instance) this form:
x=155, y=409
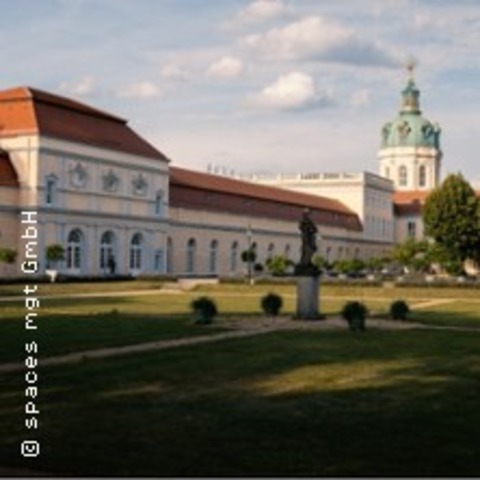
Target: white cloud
x=360, y=98
x=261, y=10
x=141, y=90
x=226, y=68
x=84, y=86
x=292, y=91
x=174, y=71
x=316, y=38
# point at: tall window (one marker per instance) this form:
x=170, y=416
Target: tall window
x=191, y=253
x=271, y=250
x=159, y=204
x=136, y=252
x=234, y=257
x=287, y=250
x=51, y=190
x=159, y=261
x=402, y=176
x=75, y=250
x=213, y=263
x=169, y=255
x=422, y=176
x=411, y=230
x=107, y=252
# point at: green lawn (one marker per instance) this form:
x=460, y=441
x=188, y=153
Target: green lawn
x=73, y=324
x=66, y=325
x=321, y=403
x=456, y=314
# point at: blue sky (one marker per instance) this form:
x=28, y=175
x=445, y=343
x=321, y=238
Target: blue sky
x=256, y=85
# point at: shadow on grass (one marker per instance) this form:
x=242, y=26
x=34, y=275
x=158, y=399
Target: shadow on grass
x=449, y=317
x=289, y=404
x=68, y=332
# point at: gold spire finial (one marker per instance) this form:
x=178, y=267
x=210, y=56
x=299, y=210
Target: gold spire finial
x=411, y=64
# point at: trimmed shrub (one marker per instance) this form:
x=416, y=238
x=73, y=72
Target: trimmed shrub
x=355, y=314
x=399, y=310
x=272, y=304
x=204, y=310
x=7, y=255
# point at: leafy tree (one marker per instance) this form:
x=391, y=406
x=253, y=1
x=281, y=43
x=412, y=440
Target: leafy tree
x=320, y=262
x=55, y=253
x=412, y=254
x=451, y=216
x=7, y=255
x=278, y=264
x=353, y=265
x=437, y=254
x=376, y=264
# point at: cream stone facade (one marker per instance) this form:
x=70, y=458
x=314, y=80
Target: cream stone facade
x=368, y=195
x=214, y=219
x=210, y=243
x=107, y=207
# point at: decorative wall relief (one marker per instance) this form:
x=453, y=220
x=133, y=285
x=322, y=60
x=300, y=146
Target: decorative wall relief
x=110, y=181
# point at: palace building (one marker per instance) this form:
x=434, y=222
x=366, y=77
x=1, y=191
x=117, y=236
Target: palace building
x=117, y=203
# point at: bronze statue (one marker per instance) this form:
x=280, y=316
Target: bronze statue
x=309, y=246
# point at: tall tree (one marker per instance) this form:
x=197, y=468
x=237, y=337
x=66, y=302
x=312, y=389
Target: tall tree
x=451, y=216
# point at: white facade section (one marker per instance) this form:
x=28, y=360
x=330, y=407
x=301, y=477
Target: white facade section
x=411, y=168
x=81, y=193
x=368, y=195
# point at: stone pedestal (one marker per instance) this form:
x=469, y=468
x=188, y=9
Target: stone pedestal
x=307, y=298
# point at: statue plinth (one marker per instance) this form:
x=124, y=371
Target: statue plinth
x=307, y=273
x=308, y=288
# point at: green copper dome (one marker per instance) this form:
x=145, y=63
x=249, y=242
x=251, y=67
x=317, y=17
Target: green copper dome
x=410, y=128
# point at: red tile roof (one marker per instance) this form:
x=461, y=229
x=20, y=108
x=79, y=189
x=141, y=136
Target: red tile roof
x=8, y=175
x=26, y=110
x=192, y=189
x=409, y=202
x=410, y=196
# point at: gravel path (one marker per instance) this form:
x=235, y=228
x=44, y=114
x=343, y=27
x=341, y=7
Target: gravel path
x=241, y=328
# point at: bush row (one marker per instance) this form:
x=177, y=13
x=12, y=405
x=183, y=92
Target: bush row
x=354, y=312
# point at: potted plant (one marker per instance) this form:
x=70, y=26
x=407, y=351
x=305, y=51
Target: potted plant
x=8, y=255
x=399, y=310
x=272, y=304
x=55, y=253
x=204, y=310
x=355, y=314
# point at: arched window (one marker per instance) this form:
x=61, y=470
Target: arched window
x=159, y=262
x=287, y=250
x=75, y=241
x=169, y=255
x=213, y=263
x=271, y=250
x=107, y=251
x=422, y=176
x=51, y=190
x=402, y=176
x=136, y=252
x=159, y=203
x=234, y=257
x=191, y=253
